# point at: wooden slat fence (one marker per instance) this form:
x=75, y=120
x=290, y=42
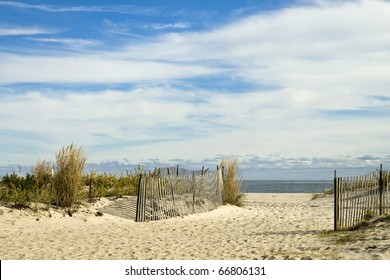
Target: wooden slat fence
x=359, y=198
x=170, y=194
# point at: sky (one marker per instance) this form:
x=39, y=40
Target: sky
x=290, y=89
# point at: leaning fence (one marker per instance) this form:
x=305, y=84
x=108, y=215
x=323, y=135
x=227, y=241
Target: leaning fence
x=359, y=198
x=174, y=192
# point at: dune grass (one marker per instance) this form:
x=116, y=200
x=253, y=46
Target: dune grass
x=232, y=181
x=67, y=181
x=64, y=184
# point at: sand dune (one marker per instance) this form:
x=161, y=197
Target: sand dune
x=268, y=226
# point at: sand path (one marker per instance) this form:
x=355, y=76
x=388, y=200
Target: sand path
x=268, y=226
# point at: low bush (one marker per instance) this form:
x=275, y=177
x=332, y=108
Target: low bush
x=111, y=185
x=17, y=190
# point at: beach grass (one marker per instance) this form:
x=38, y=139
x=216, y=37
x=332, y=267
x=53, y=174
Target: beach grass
x=232, y=181
x=67, y=182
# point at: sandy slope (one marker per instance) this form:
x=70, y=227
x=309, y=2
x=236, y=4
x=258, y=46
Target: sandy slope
x=269, y=226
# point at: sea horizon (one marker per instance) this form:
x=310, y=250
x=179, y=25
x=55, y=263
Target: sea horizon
x=286, y=186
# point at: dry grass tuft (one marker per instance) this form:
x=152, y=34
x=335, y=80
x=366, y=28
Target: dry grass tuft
x=232, y=181
x=67, y=183
x=42, y=171
x=324, y=194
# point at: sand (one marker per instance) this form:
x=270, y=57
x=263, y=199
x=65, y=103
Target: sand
x=268, y=226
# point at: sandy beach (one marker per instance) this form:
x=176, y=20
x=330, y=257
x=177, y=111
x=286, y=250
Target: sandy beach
x=268, y=226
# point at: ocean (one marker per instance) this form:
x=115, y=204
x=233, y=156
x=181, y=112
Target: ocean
x=286, y=186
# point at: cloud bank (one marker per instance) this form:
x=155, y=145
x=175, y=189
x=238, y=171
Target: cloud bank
x=304, y=82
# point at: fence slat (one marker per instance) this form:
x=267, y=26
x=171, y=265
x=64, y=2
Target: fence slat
x=349, y=202
x=342, y=201
x=361, y=197
x=335, y=205
x=357, y=200
x=171, y=195
x=360, y=201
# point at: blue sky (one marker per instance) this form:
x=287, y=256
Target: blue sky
x=300, y=87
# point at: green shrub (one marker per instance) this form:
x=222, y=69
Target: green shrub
x=17, y=190
x=127, y=185
x=3, y=192
x=102, y=185
x=111, y=185
x=67, y=182
x=232, y=181
x=19, y=197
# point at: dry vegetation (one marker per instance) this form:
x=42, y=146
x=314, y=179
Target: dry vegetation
x=62, y=183
x=67, y=182
x=232, y=181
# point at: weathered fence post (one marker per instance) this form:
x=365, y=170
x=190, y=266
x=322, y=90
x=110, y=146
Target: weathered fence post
x=193, y=191
x=380, y=190
x=173, y=193
x=90, y=187
x=335, y=201
x=220, y=184
x=138, y=211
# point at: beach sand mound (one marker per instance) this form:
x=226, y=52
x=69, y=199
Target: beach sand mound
x=268, y=226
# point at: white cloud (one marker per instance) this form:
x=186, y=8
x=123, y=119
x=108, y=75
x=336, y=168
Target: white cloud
x=122, y=9
x=71, y=42
x=167, y=123
x=121, y=121
x=176, y=25
x=19, y=31
x=311, y=68
x=116, y=28
x=319, y=50
x=99, y=68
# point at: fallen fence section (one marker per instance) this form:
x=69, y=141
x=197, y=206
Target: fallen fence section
x=357, y=199
x=170, y=195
